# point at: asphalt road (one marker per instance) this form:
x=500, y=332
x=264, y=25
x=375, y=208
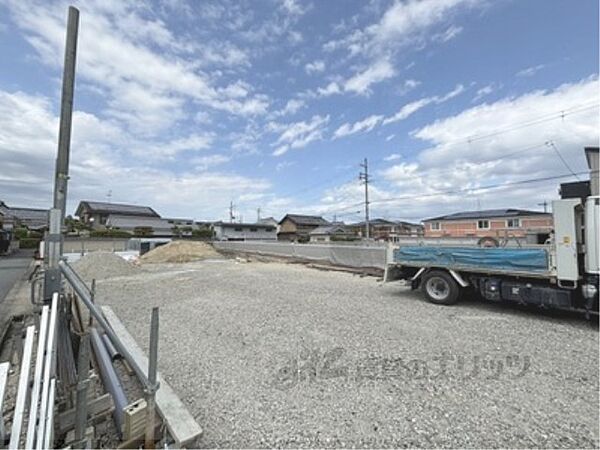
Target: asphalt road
x=11, y=269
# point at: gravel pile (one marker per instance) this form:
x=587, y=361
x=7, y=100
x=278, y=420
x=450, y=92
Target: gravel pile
x=101, y=265
x=179, y=252
x=275, y=355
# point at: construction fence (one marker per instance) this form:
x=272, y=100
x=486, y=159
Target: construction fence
x=339, y=255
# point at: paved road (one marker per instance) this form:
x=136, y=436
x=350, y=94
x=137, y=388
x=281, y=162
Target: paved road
x=11, y=269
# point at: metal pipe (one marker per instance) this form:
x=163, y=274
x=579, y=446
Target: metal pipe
x=37, y=378
x=110, y=379
x=48, y=369
x=110, y=348
x=49, y=428
x=81, y=290
x=153, y=379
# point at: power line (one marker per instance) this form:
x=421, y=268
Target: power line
x=551, y=144
x=457, y=191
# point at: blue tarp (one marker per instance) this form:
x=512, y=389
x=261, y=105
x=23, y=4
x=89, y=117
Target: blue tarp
x=505, y=259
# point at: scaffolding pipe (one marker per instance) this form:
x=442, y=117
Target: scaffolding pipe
x=83, y=293
x=110, y=379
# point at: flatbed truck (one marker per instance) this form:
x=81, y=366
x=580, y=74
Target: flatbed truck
x=562, y=274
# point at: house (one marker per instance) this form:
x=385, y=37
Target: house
x=496, y=223
x=31, y=218
x=95, y=214
x=332, y=232
x=228, y=231
x=297, y=227
x=150, y=226
x=269, y=221
x=388, y=230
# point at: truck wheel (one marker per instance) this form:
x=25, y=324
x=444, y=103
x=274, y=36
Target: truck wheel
x=440, y=288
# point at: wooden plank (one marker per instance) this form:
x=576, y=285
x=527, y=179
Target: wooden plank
x=4, y=367
x=15, y=434
x=100, y=406
x=181, y=424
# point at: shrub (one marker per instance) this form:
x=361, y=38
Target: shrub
x=110, y=233
x=21, y=233
x=29, y=243
x=203, y=233
x=143, y=231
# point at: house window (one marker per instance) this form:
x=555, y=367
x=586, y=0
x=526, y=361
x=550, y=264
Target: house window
x=436, y=226
x=253, y=229
x=513, y=223
x=483, y=224
x=238, y=229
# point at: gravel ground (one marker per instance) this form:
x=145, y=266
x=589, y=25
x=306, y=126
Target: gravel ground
x=280, y=355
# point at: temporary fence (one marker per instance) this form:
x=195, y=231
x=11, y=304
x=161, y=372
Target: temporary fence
x=341, y=255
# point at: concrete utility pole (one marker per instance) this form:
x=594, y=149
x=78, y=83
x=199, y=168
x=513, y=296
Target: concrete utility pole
x=231, y=216
x=545, y=205
x=364, y=176
x=56, y=219
x=66, y=114
x=257, y=215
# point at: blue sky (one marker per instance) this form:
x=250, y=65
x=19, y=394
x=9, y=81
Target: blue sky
x=272, y=104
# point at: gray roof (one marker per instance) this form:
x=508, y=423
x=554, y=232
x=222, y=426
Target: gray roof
x=243, y=225
x=330, y=229
x=126, y=222
x=31, y=217
x=300, y=219
x=115, y=208
x=488, y=214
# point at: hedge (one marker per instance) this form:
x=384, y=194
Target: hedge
x=29, y=243
x=110, y=233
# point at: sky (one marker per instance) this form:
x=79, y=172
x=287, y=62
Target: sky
x=186, y=106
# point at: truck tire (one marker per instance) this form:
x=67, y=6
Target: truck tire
x=440, y=288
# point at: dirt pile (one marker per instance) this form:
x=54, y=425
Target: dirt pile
x=179, y=252
x=101, y=265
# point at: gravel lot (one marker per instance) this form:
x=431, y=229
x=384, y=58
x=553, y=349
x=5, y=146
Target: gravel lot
x=280, y=355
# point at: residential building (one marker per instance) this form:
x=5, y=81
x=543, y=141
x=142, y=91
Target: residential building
x=496, y=223
x=387, y=230
x=95, y=214
x=269, y=221
x=297, y=227
x=230, y=231
x=150, y=226
x=15, y=216
x=332, y=232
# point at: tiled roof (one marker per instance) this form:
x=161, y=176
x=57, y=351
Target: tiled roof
x=116, y=208
x=300, y=219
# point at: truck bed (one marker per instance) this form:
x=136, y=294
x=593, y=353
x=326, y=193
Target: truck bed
x=533, y=262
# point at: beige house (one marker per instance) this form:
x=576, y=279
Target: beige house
x=297, y=227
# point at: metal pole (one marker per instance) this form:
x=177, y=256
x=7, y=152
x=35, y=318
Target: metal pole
x=82, y=291
x=365, y=177
x=83, y=368
x=110, y=379
x=152, y=379
x=66, y=114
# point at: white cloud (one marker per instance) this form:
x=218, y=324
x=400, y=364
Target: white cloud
x=530, y=71
x=390, y=137
x=208, y=161
x=392, y=157
x=401, y=24
x=300, y=134
x=467, y=151
x=331, y=89
x=315, y=67
x=412, y=107
x=365, y=125
x=98, y=164
x=146, y=72
x=449, y=34
x=362, y=81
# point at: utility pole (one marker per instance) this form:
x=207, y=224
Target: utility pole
x=257, y=214
x=364, y=176
x=231, y=216
x=545, y=205
x=56, y=217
